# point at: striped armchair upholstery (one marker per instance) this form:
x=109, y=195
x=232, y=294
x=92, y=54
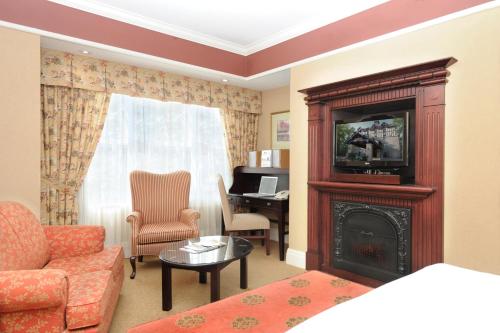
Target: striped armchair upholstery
x=160, y=212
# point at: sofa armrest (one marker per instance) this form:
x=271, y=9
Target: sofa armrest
x=190, y=216
x=72, y=240
x=24, y=290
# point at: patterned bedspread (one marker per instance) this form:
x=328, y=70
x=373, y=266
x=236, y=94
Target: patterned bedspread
x=272, y=308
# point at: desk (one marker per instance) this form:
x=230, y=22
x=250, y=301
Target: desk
x=276, y=209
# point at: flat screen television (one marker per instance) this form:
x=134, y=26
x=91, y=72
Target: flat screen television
x=372, y=141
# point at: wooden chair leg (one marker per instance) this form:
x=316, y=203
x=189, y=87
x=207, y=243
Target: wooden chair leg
x=132, y=263
x=267, y=241
x=263, y=240
x=141, y=258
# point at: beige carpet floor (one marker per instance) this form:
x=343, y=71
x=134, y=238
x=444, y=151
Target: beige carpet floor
x=140, y=299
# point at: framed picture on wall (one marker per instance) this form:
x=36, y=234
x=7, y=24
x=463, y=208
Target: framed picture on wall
x=280, y=130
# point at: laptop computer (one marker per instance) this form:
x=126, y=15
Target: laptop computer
x=267, y=187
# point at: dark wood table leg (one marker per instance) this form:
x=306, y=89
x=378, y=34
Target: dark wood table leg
x=281, y=235
x=243, y=273
x=166, y=286
x=203, y=277
x=215, y=284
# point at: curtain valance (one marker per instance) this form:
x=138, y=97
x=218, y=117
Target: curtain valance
x=71, y=70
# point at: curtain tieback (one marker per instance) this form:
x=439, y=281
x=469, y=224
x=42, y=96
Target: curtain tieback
x=63, y=187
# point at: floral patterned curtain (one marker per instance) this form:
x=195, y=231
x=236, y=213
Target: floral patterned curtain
x=70, y=70
x=240, y=107
x=241, y=135
x=72, y=122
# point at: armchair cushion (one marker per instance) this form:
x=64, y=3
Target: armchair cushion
x=89, y=295
x=22, y=242
x=72, y=240
x=165, y=232
x=111, y=259
x=22, y=290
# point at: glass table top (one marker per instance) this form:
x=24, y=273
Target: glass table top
x=235, y=248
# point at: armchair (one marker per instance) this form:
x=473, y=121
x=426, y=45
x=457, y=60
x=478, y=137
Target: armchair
x=55, y=278
x=160, y=212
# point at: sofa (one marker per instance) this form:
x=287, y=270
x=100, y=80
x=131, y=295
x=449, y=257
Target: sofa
x=55, y=278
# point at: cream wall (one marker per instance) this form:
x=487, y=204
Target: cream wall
x=274, y=100
x=20, y=118
x=472, y=153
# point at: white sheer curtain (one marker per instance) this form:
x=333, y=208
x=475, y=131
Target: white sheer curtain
x=160, y=137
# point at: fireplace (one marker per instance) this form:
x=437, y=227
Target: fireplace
x=375, y=240
x=372, y=240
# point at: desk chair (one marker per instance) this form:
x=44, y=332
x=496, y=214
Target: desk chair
x=243, y=222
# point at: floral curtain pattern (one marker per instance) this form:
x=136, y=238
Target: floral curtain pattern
x=241, y=135
x=75, y=98
x=69, y=70
x=240, y=107
x=71, y=124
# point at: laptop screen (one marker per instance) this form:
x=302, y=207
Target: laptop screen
x=268, y=185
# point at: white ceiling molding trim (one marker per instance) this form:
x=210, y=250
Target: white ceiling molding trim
x=150, y=24
x=316, y=20
x=271, y=79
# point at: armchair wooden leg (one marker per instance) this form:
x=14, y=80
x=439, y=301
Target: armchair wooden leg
x=141, y=258
x=267, y=241
x=263, y=240
x=132, y=263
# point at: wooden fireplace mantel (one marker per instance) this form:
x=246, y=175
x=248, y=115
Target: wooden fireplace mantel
x=423, y=84
x=410, y=192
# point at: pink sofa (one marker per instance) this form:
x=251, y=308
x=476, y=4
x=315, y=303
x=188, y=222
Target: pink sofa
x=55, y=278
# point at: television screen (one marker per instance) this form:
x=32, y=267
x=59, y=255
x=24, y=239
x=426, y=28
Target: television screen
x=378, y=141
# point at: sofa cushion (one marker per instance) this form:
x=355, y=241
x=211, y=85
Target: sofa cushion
x=164, y=232
x=88, y=298
x=23, y=244
x=110, y=259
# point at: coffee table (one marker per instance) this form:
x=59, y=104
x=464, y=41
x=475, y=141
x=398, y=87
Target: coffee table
x=206, y=262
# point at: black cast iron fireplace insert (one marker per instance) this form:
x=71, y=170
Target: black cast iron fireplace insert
x=371, y=240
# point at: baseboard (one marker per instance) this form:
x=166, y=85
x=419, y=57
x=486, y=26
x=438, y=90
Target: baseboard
x=296, y=258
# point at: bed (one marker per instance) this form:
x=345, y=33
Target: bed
x=438, y=298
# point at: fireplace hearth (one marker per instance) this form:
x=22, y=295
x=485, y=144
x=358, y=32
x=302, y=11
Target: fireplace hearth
x=372, y=240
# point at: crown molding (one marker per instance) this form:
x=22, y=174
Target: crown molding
x=151, y=24
x=129, y=17
x=244, y=81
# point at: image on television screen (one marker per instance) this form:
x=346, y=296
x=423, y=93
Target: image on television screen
x=374, y=140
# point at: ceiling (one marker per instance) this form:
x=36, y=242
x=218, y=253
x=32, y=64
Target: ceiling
x=247, y=44
x=242, y=27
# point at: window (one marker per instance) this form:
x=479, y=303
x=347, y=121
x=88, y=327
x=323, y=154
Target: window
x=160, y=137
